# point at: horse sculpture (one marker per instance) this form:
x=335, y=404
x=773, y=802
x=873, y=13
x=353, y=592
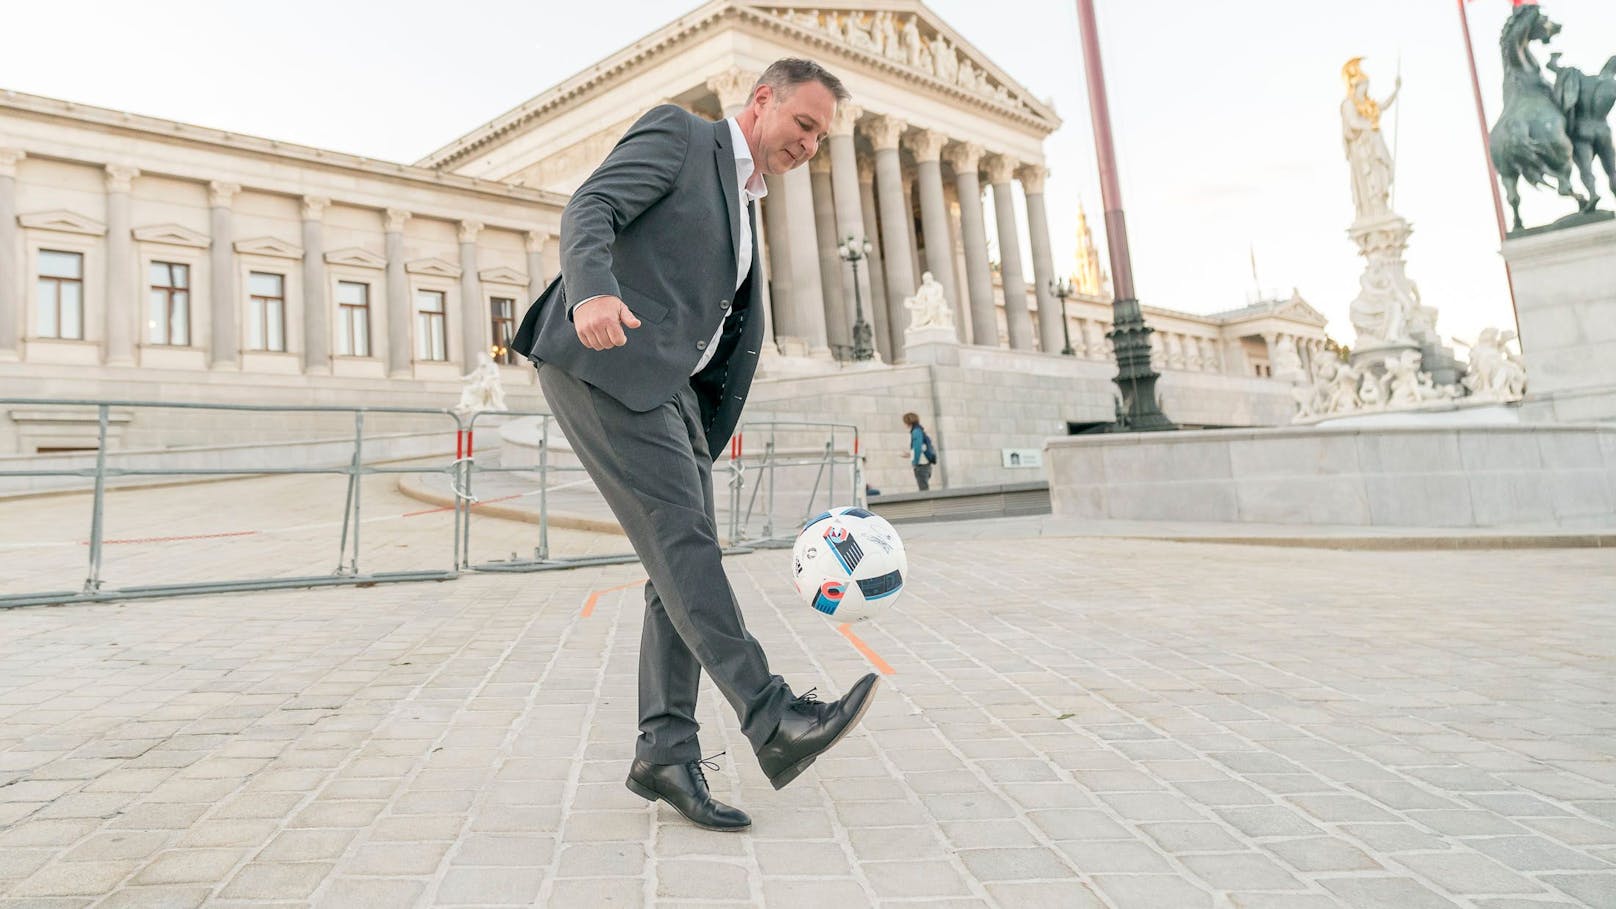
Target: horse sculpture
x=1530, y=139
x=1587, y=102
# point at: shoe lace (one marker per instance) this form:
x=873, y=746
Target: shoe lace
x=710, y=762
x=808, y=697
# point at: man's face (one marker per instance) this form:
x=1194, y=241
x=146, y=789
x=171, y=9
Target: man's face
x=791, y=125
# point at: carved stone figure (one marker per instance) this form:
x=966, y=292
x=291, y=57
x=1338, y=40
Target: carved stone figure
x=912, y=46
x=1366, y=150
x=1287, y=362
x=886, y=25
x=929, y=308
x=1587, y=102
x=482, y=390
x=859, y=34
x=1496, y=373
x=946, y=60
x=1530, y=139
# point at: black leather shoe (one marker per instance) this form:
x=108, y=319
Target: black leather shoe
x=809, y=728
x=684, y=786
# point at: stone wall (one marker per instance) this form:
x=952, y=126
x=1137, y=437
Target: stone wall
x=1459, y=476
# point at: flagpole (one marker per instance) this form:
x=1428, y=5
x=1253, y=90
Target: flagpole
x=1486, y=152
x=1397, y=131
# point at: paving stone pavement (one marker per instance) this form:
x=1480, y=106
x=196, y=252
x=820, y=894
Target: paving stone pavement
x=1070, y=722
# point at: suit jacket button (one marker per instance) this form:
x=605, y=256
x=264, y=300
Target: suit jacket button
x=701, y=345
x=724, y=304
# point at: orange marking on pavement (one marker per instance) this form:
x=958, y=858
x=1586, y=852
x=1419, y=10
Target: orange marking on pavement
x=594, y=596
x=875, y=659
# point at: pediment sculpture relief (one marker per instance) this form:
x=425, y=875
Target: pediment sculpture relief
x=900, y=39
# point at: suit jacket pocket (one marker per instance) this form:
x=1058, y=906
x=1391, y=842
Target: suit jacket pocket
x=646, y=308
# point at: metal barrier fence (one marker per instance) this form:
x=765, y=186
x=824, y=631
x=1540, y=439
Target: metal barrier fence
x=755, y=518
x=777, y=524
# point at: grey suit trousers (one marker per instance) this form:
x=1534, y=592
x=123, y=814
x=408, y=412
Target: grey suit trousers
x=655, y=472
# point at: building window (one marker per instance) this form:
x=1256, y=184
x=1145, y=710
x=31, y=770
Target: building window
x=504, y=310
x=61, y=294
x=266, y=322
x=431, y=336
x=353, y=319
x=168, y=307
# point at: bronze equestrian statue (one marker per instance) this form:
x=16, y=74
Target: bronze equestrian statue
x=1587, y=101
x=1544, y=129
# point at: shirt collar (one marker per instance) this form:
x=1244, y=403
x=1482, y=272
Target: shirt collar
x=746, y=173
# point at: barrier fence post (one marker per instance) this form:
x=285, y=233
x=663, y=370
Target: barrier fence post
x=92, y=582
x=544, y=488
x=356, y=473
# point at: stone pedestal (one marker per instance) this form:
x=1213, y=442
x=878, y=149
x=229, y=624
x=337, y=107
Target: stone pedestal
x=931, y=345
x=1565, y=293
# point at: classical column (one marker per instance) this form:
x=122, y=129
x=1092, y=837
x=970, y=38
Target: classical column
x=807, y=294
x=316, y=308
x=226, y=347
x=909, y=219
x=928, y=146
x=850, y=221
x=475, y=324
x=760, y=240
x=1001, y=170
x=733, y=88
x=984, y=325
x=536, y=278
x=838, y=318
x=777, y=242
x=956, y=267
x=398, y=297
x=122, y=307
x=884, y=133
x=876, y=274
x=1043, y=266
x=10, y=270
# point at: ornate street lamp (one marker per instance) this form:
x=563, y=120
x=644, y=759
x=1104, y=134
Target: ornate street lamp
x=1130, y=336
x=1062, y=288
x=853, y=251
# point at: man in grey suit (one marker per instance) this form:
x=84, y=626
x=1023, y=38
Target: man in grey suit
x=646, y=345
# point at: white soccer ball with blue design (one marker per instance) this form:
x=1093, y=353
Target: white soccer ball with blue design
x=849, y=564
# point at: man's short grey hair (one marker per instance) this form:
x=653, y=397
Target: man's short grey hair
x=789, y=72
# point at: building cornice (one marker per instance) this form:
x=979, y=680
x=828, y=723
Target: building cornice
x=171, y=131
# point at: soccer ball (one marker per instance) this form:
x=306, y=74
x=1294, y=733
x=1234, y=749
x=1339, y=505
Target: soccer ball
x=849, y=564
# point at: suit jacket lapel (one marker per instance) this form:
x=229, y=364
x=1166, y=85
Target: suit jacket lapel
x=724, y=157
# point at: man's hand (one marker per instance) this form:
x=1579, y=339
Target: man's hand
x=600, y=323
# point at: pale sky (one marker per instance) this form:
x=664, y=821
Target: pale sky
x=1225, y=114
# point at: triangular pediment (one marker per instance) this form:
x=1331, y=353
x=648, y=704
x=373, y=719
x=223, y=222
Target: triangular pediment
x=907, y=36
x=503, y=275
x=172, y=235
x=901, y=40
x=439, y=268
x=356, y=257
x=62, y=221
x=269, y=246
x=1300, y=310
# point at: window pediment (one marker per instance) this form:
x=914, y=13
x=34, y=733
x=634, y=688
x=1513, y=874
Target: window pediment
x=438, y=268
x=173, y=235
x=503, y=275
x=63, y=221
x=269, y=246
x=356, y=257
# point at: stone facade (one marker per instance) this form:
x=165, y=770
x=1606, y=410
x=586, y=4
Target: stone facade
x=142, y=259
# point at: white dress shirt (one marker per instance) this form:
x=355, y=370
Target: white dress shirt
x=751, y=186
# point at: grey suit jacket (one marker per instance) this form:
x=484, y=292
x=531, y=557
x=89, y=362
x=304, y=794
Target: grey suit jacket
x=657, y=225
